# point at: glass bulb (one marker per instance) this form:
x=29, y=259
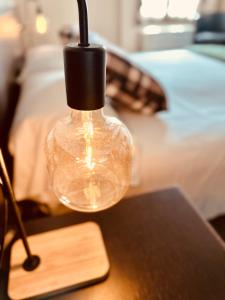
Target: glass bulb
x=89, y=160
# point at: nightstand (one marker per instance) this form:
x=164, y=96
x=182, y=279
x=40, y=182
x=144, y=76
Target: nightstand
x=158, y=246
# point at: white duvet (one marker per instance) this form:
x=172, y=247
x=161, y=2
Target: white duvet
x=183, y=147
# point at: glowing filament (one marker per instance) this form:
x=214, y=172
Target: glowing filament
x=88, y=137
x=92, y=193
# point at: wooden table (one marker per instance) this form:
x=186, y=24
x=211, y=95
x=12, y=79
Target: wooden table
x=159, y=249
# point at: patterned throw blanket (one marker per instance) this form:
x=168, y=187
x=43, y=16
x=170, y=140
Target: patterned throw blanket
x=210, y=50
x=128, y=85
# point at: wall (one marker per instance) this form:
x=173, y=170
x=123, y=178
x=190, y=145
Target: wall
x=114, y=19
x=210, y=6
x=129, y=29
x=104, y=17
x=222, y=5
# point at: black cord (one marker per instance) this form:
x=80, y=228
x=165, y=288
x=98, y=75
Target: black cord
x=83, y=23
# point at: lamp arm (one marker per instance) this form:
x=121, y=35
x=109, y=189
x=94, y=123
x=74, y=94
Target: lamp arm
x=32, y=261
x=83, y=23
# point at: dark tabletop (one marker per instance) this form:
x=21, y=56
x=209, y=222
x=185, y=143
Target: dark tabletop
x=159, y=249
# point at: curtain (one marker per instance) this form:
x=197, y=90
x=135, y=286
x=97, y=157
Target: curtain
x=6, y=4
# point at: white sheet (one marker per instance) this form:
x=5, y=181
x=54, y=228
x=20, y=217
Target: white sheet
x=183, y=147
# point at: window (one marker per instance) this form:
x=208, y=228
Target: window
x=169, y=9
x=5, y=5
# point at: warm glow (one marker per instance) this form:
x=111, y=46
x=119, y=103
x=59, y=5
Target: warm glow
x=184, y=9
x=88, y=136
x=9, y=27
x=41, y=24
x=92, y=191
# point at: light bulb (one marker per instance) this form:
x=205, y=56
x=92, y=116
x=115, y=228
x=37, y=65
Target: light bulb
x=41, y=24
x=89, y=160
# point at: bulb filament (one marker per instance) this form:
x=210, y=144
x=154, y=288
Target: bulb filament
x=92, y=192
x=88, y=137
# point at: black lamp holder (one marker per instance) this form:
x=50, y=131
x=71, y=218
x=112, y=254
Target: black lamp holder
x=83, y=23
x=85, y=69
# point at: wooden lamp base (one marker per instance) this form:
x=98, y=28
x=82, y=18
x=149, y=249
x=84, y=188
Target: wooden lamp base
x=71, y=257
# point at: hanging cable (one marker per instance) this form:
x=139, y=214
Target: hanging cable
x=83, y=23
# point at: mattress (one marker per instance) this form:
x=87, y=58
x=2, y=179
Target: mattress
x=182, y=147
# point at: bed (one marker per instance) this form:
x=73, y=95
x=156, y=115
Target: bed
x=183, y=146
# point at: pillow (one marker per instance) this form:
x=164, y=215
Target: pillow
x=42, y=58
x=127, y=84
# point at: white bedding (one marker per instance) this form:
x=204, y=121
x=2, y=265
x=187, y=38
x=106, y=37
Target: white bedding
x=183, y=146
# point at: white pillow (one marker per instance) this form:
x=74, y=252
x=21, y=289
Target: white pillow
x=42, y=58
